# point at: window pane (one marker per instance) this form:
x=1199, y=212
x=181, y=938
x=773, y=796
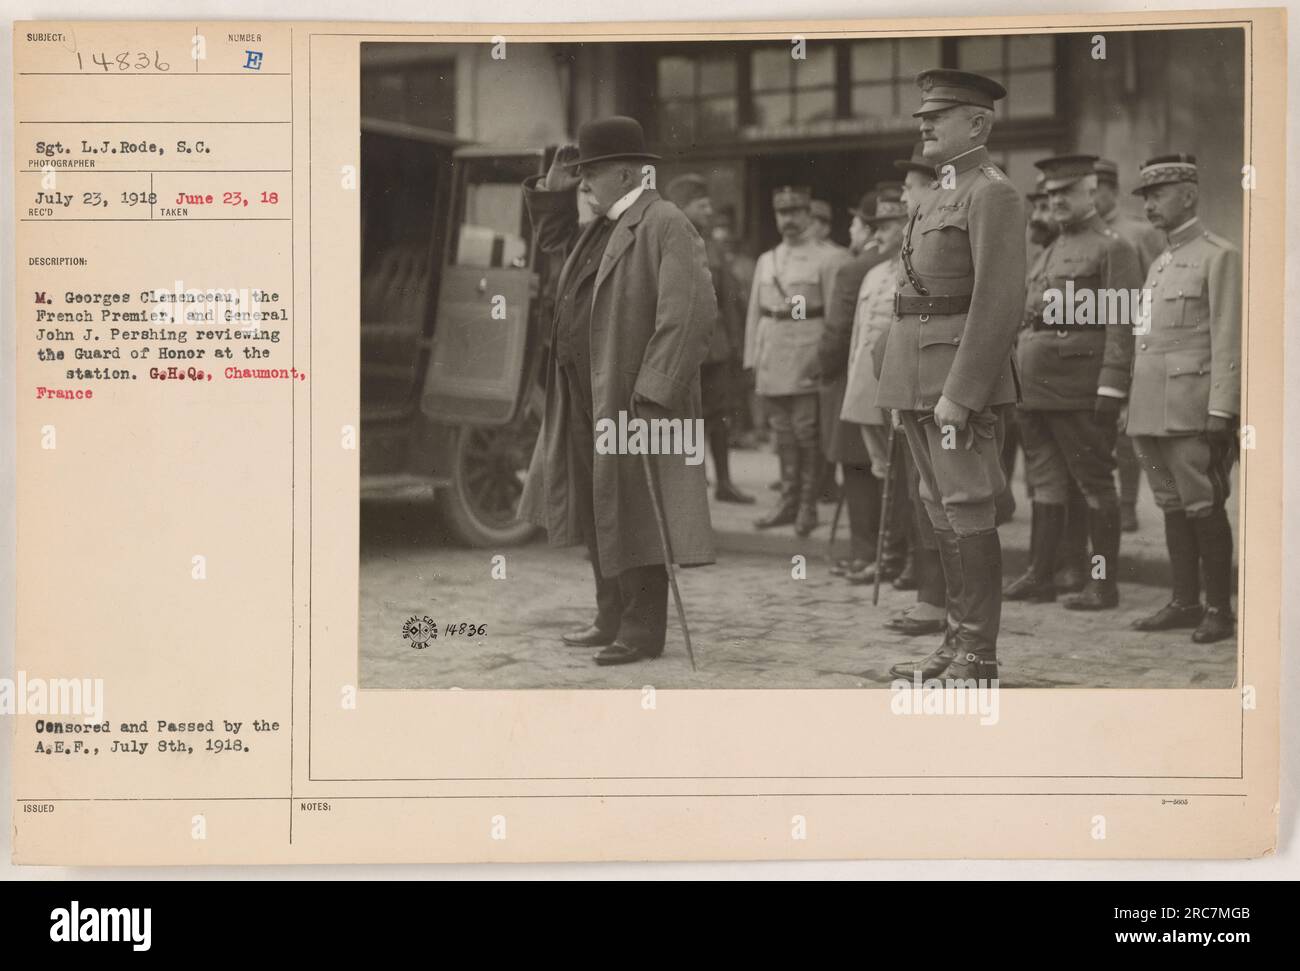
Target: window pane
x=1032, y=94
x=872, y=101
x=980, y=54
x=676, y=77
x=717, y=117
x=1035, y=50
x=815, y=105
x=917, y=54
x=676, y=121
x=717, y=75
x=871, y=60
x=819, y=67
x=770, y=67
x=772, y=109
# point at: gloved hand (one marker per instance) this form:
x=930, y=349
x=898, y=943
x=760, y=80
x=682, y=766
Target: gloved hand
x=1105, y=411
x=1221, y=431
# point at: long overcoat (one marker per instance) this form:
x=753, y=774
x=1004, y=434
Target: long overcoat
x=653, y=311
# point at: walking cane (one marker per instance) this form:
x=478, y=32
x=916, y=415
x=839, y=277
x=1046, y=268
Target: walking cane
x=885, y=495
x=657, y=506
x=835, y=525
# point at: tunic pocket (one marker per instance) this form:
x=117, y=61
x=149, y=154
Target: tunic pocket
x=1184, y=300
x=1187, y=389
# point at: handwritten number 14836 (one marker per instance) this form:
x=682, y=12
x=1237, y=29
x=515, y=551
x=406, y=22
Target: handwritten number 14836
x=126, y=61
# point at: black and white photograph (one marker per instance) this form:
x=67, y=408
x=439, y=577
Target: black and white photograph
x=832, y=362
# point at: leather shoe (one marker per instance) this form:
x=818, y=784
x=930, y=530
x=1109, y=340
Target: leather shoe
x=842, y=567
x=620, y=653
x=591, y=636
x=1216, y=625
x=868, y=574
x=928, y=668
x=1030, y=587
x=912, y=627
x=1097, y=595
x=726, y=492
x=1171, y=616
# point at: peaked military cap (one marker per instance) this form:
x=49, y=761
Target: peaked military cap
x=792, y=197
x=1106, y=170
x=1062, y=171
x=942, y=88
x=1164, y=169
x=1039, y=192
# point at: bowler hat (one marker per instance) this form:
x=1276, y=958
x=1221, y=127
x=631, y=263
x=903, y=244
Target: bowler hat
x=917, y=163
x=606, y=139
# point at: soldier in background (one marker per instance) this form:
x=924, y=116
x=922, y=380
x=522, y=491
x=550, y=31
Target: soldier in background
x=921, y=570
x=783, y=329
x=690, y=193
x=871, y=324
x=1185, y=403
x=1149, y=243
x=948, y=361
x=1072, y=551
x=820, y=210
x=840, y=439
x=1075, y=366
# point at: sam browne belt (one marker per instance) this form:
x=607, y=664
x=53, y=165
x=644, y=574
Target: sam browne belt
x=905, y=303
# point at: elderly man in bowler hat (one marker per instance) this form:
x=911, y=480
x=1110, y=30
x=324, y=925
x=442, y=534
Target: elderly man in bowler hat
x=635, y=309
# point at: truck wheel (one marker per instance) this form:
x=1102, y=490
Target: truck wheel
x=487, y=478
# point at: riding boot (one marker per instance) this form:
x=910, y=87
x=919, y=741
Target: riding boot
x=1184, y=609
x=1214, y=538
x=788, y=505
x=1101, y=593
x=976, y=639
x=937, y=661
x=1072, y=555
x=725, y=490
x=1047, y=522
x=811, y=466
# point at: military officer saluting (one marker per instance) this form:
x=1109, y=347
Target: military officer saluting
x=1074, y=364
x=948, y=360
x=783, y=329
x=1185, y=400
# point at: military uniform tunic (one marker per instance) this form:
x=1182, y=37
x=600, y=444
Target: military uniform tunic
x=1148, y=241
x=786, y=314
x=965, y=244
x=1187, y=367
x=1088, y=273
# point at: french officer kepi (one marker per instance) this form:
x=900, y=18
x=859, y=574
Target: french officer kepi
x=1185, y=400
x=948, y=362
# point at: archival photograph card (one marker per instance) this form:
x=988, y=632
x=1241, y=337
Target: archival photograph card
x=648, y=441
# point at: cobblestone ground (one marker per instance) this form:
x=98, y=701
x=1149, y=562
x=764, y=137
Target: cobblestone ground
x=752, y=625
